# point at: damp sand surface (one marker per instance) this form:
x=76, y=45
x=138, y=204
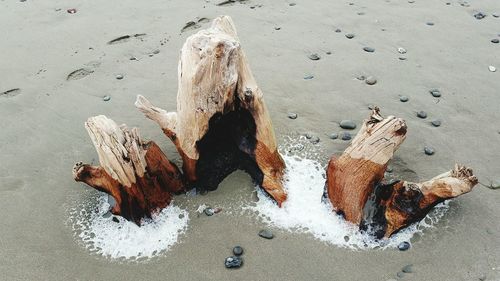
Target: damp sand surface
x=57, y=67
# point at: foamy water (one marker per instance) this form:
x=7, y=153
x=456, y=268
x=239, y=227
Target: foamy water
x=304, y=211
x=100, y=234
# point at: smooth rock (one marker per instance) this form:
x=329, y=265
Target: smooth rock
x=292, y=115
x=401, y=50
x=404, y=98
x=492, y=68
x=266, y=233
x=370, y=80
x=479, y=15
x=347, y=124
x=495, y=40
x=435, y=93
x=428, y=150
x=430, y=23
x=314, y=57
x=346, y=136
x=422, y=114
x=106, y=98
x=349, y=35
x=328, y=52
x=369, y=49
x=407, y=268
x=238, y=250
x=334, y=136
x=233, y=262
x=119, y=76
x=403, y=246
x=436, y=123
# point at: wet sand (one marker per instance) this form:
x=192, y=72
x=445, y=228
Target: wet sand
x=43, y=134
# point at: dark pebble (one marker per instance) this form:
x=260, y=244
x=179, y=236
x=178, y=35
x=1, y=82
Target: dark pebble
x=428, y=150
x=334, y=136
x=292, y=4
x=292, y=115
x=308, y=136
x=119, y=76
x=277, y=28
x=435, y=93
x=495, y=40
x=403, y=246
x=308, y=77
x=436, y=123
x=422, y=114
x=430, y=23
x=346, y=136
x=314, y=57
x=266, y=233
x=233, y=262
x=338, y=30
x=106, y=98
x=209, y=212
x=407, y=268
x=238, y=250
x=71, y=11
x=479, y=16
x=115, y=219
x=369, y=49
x=403, y=98
x=370, y=80
x=328, y=53
x=349, y=35
x=347, y=124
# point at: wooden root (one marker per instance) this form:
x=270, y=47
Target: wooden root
x=221, y=123
x=355, y=181
x=135, y=173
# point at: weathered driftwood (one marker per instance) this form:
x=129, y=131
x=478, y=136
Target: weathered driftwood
x=356, y=188
x=135, y=173
x=221, y=123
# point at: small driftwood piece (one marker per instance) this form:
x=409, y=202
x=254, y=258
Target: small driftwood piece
x=356, y=188
x=135, y=173
x=221, y=123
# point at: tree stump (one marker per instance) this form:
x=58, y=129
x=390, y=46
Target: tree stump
x=356, y=188
x=221, y=123
x=135, y=173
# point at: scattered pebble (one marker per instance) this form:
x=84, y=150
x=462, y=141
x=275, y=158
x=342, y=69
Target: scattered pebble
x=435, y=93
x=106, y=98
x=369, y=49
x=266, y=233
x=71, y=11
x=119, y=76
x=209, y=212
x=328, y=52
x=402, y=58
x=349, y=35
x=436, y=123
x=346, y=136
x=314, y=56
x=338, y=30
x=277, y=28
x=495, y=15
x=347, y=124
x=401, y=50
x=492, y=68
x=404, y=98
x=292, y=115
x=422, y=114
x=238, y=250
x=495, y=40
x=233, y=262
x=370, y=80
x=407, y=268
x=315, y=140
x=308, y=136
x=334, y=136
x=403, y=246
x=430, y=23
x=115, y=219
x=479, y=15
x=428, y=150
x=292, y=4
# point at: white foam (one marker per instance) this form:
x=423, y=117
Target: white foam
x=305, y=212
x=125, y=240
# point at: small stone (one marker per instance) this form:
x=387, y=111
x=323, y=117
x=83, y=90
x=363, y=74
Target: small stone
x=349, y=35
x=292, y=4
x=346, y=238
x=106, y=98
x=369, y=49
x=346, y=136
x=115, y=219
x=238, y=250
x=266, y=233
x=338, y=30
x=436, y=123
x=347, y=124
x=277, y=28
x=479, y=15
x=422, y=114
x=233, y=262
x=370, y=80
x=361, y=77
x=435, y=93
x=328, y=52
x=308, y=77
x=402, y=58
x=315, y=140
x=71, y=11
x=334, y=136
x=428, y=150
x=495, y=40
x=492, y=68
x=400, y=274
x=308, y=136
x=495, y=15
x=401, y=50
x=292, y=115
x=314, y=56
x=403, y=246
x=360, y=13
x=209, y=212
x=404, y=98
x=430, y=23
x=119, y=76
x=407, y=268
x=156, y=51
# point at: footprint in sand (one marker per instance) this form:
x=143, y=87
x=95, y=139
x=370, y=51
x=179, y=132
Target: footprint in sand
x=84, y=71
x=10, y=93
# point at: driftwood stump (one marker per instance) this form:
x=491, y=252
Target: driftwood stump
x=355, y=181
x=135, y=173
x=221, y=123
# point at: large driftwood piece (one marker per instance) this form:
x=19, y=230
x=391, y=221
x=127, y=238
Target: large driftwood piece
x=221, y=123
x=135, y=173
x=355, y=181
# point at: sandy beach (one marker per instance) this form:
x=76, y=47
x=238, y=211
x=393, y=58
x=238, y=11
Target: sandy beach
x=58, y=68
